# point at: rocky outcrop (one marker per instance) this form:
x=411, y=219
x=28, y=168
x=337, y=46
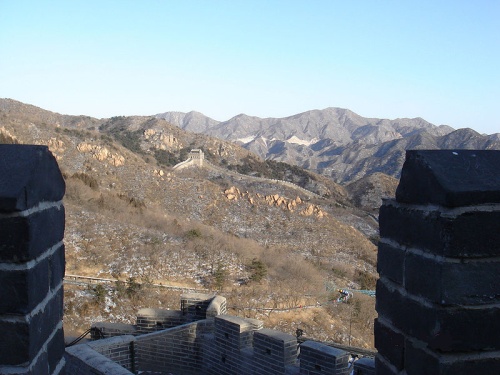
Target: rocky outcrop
x=56, y=146
x=7, y=137
x=312, y=209
x=291, y=205
x=158, y=172
x=101, y=153
x=160, y=140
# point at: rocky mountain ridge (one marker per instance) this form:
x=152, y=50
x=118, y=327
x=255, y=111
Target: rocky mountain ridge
x=335, y=142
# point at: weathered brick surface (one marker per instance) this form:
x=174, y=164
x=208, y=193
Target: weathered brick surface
x=21, y=290
x=107, y=330
x=451, y=178
x=438, y=294
x=55, y=350
x=448, y=282
x=15, y=345
x=29, y=175
x=175, y=349
x=421, y=360
x=384, y=368
x=446, y=329
x=83, y=360
x=118, y=349
x=23, y=338
x=232, y=337
x=151, y=320
x=319, y=359
x=389, y=344
x=273, y=351
x=194, y=305
x=44, y=322
x=390, y=262
x=23, y=238
x=233, y=332
x=470, y=232
x=57, y=267
x=31, y=226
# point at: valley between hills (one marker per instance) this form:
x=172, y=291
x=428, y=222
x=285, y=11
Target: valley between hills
x=275, y=252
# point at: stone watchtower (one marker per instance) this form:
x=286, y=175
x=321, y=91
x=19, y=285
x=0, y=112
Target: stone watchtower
x=438, y=296
x=31, y=261
x=197, y=156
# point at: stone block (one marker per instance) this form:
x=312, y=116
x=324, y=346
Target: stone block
x=45, y=321
x=390, y=262
x=233, y=332
x=420, y=360
x=194, y=305
x=389, y=344
x=273, y=351
x=57, y=267
x=320, y=359
x=468, y=233
x=15, y=343
x=21, y=290
x=448, y=282
x=384, y=368
x=105, y=330
x=24, y=238
x=55, y=350
x=445, y=329
x=451, y=178
x=29, y=175
x=150, y=320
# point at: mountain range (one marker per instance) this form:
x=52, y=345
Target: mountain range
x=334, y=142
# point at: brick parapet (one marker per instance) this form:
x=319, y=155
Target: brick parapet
x=107, y=330
x=31, y=261
x=83, y=360
x=319, y=359
x=151, y=320
x=194, y=305
x=118, y=349
x=274, y=351
x=224, y=345
x=178, y=348
x=437, y=294
x=231, y=352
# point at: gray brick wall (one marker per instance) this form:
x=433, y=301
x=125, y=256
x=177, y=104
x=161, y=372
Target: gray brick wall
x=319, y=359
x=151, y=320
x=83, y=360
x=194, y=305
x=438, y=293
x=107, y=330
x=274, y=351
x=175, y=349
x=233, y=337
x=118, y=349
x=31, y=261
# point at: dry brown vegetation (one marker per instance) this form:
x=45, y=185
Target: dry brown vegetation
x=134, y=225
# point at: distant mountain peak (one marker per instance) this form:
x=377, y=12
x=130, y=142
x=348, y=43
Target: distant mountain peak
x=338, y=142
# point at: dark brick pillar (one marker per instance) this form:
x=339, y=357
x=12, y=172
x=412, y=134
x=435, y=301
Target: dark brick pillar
x=438, y=296
x=31, y=261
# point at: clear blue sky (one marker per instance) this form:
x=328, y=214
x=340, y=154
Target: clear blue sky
x=439, y=59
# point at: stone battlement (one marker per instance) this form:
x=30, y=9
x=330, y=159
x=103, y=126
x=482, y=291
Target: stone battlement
x=222, y=345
